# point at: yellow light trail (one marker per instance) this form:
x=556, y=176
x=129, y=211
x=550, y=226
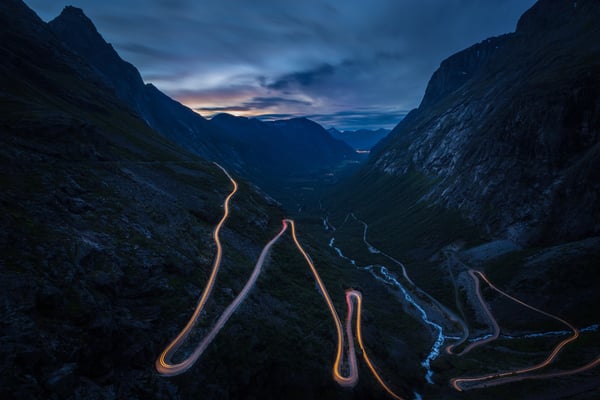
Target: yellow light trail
x=165, y=367
x=352, y=378
x=163, y=363
x=488, y=312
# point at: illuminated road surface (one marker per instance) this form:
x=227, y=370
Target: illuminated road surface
x=512, y=376
x=352, y=378
x=347, y=378
x=355, y=294
x=495, y=327
x=165, y=367
x=163, y=363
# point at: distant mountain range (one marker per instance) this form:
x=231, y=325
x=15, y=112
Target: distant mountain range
x=362, y=139
x=273, y=152
x=267, y=153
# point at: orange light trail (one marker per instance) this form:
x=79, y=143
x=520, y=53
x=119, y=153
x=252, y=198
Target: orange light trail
x=507, y=379
x=352, y=378
x=495, y=326
x=351, y=293
x=165, y=367
x=509, y=376
x=163, y=363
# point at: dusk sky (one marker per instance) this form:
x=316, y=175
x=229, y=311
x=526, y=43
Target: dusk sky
x=348, y=64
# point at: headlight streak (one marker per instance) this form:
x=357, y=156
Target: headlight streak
x=165, y=367
x=491, y=379
x=163, y=363
x=352, y=378
x=513, y=375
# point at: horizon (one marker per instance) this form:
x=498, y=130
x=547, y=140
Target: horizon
x=351, y=67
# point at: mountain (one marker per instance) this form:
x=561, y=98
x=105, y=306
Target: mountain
x=362, y=139
x=309, y=138
x=508, y=129
x=106, y=243
x=172, y=119
x=283, y=148
x=249, y=147
x=500, y=163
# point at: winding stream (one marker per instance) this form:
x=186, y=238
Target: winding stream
x=382, y=274
x=339, y=252
x=386, y=277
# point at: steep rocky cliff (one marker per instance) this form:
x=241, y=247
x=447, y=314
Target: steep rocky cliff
x=508, y=129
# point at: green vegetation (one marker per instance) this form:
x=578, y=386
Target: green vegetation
x=401, y=222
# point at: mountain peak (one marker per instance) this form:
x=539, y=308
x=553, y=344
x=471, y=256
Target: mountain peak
x=75, y=28
x=75, y=18
x=72, y=10
x=301, y=122
x=459, y=68
x=548, y=15
x=80, y=35
x=226, y=117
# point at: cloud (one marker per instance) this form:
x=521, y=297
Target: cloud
x=302, y=78
x=224, y=109
x=256, y=104
x=274, y=117
x=146, y=51
x=354, y=120
x=259, y=103
x=310, y=57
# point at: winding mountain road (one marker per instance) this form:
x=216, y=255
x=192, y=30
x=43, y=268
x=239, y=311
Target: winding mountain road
x=477, y=382
x=352, y=378
x=495, y=327
x=345, y=366
x=514, y=375
x=163, y=363
x=165, y=367
x=461, y=321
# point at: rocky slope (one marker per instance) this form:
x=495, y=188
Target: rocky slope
x=509, y=129
x=504, y=147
